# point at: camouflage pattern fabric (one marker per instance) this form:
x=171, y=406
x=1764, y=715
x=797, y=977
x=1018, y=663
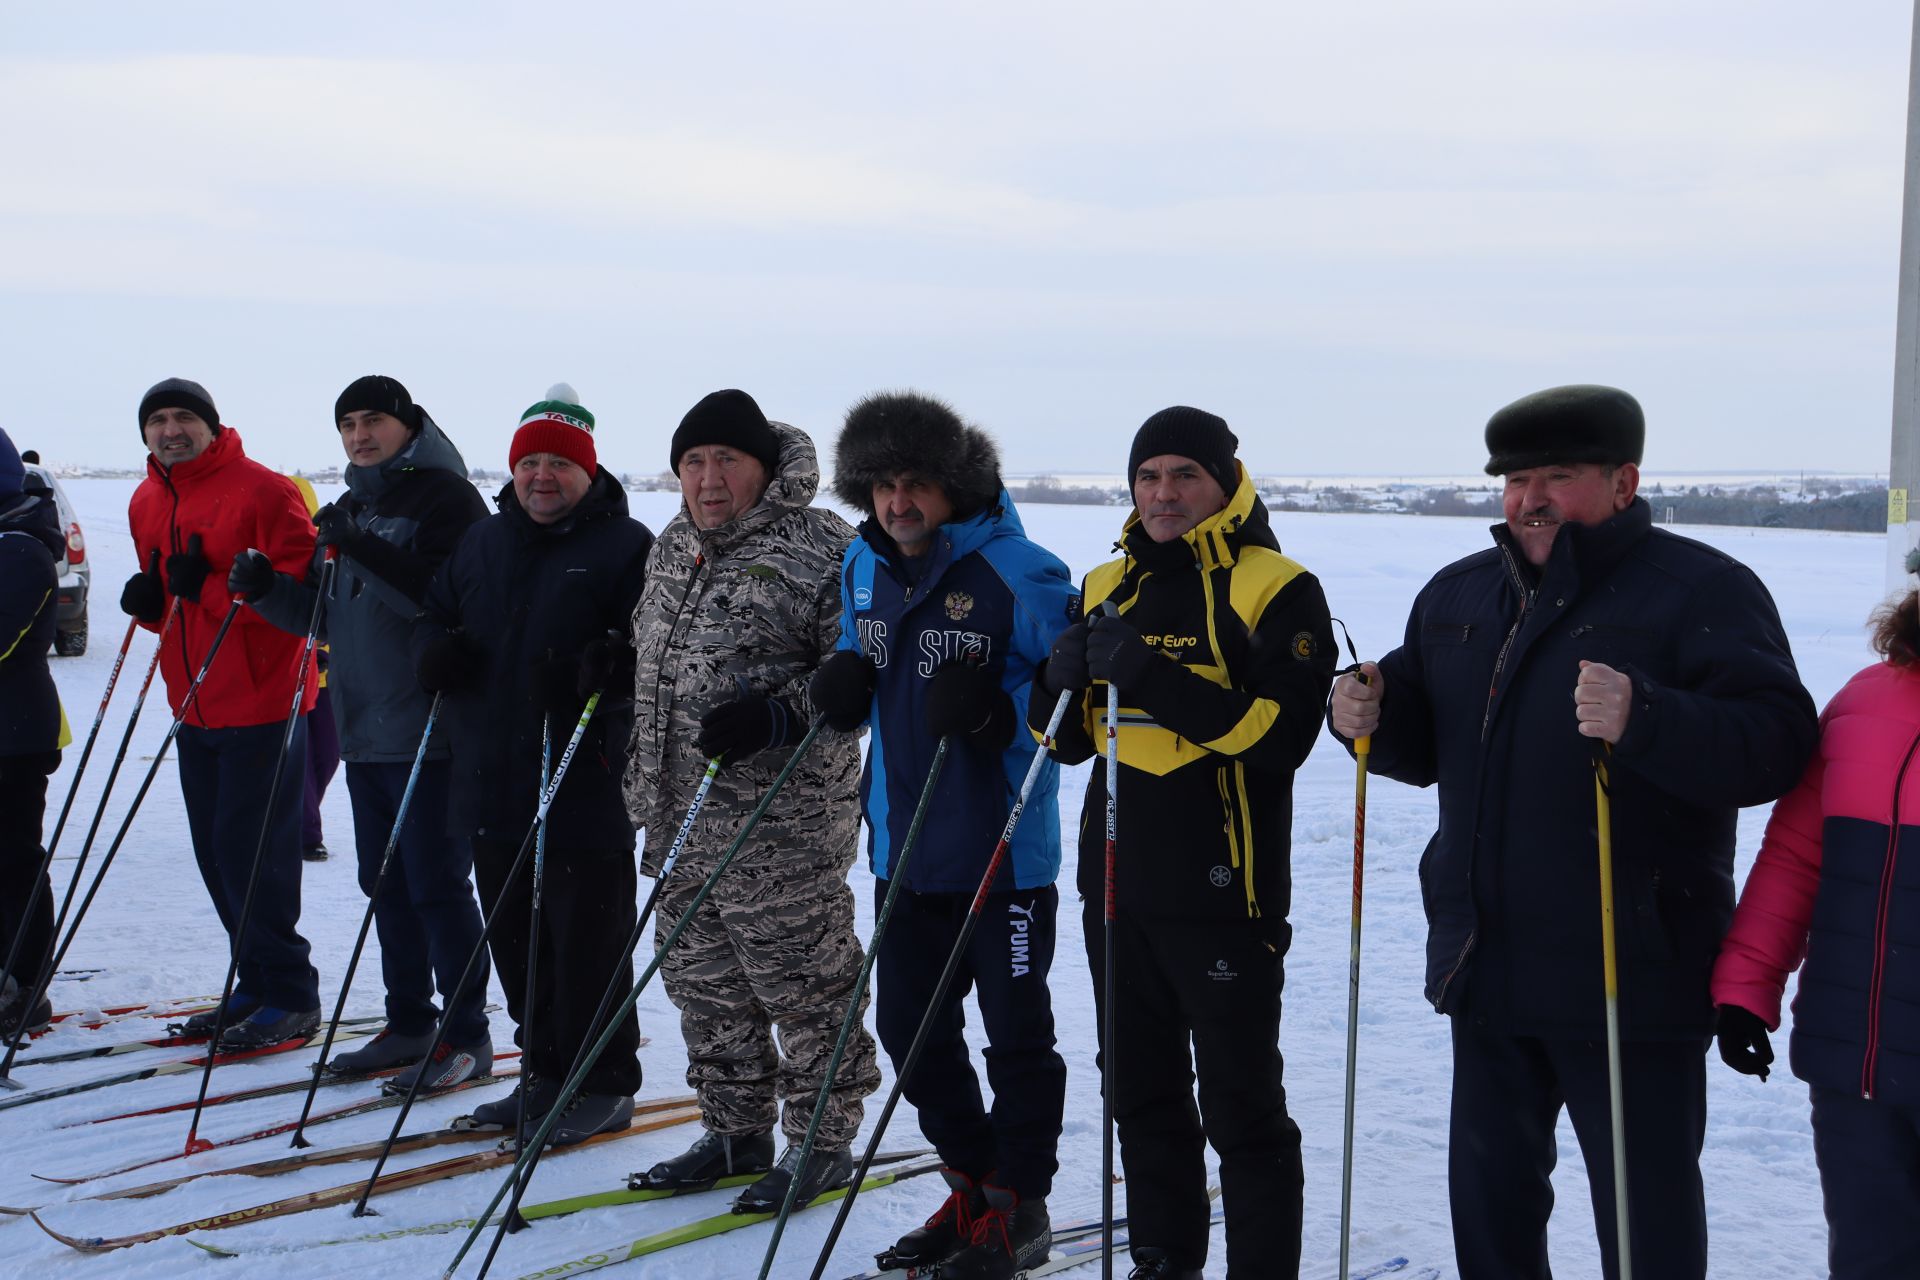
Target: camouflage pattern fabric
x=753, y=607
x=772, y=947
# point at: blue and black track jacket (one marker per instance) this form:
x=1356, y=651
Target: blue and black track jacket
x=986, y=592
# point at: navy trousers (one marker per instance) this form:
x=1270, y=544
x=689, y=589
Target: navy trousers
x=1869, y=1157
x=424, y=915
x=1005, y=965
x=1507, y=1095
x=23, y=799
x=587, y=913
x=225, y=775
x=1201, y=996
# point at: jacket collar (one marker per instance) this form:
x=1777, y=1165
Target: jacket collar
x=1215, y=542
x=604, y=497
x=953, y=541
x=225, y=448
x=795, y=481
x=429, y=450
x=1582, y=554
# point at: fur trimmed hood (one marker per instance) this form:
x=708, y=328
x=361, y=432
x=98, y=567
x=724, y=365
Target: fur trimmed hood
x=894, y=431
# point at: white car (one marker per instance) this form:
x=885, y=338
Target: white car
x=76, y=575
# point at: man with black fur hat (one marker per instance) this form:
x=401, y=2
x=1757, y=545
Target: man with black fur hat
x=740, y=609
x=1221, y=651
x=947, y=607
x=203, y=502
x=407, y=504
x=1583, y=629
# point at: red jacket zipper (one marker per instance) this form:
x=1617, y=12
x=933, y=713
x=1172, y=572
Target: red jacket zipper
x=1880, y=927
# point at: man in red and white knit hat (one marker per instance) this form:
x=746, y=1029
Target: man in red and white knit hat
x=525, y=620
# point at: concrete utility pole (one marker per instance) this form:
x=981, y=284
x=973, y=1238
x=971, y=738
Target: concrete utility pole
x=1903, y=473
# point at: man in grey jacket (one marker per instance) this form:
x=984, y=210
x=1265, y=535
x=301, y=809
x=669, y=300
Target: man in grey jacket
x=408, y=501
x=741, y=605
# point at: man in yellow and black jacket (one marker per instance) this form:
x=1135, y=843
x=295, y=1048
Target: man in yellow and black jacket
x=1222, y=651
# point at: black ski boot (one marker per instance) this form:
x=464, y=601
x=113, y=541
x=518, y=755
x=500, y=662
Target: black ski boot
x=1009, y=1236
x=1154, y=1264
x=13, y=999
x=201, y=1024
x=504, y=1113
x=447, y=1066
x=713, y=1157
x=946, y=1233
x=589, y=1115
x=267, y=1026
x=388, y=1049
x=824, y=1171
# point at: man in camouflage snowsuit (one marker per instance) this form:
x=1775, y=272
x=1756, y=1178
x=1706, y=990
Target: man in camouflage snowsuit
x=742, y=603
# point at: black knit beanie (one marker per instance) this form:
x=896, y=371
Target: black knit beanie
x=1580, y=423
x=1190, y=433
x=377, y=393
x=731, y=418
x=178, y=393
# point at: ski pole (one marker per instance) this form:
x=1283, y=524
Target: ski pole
x=1110, y=1060
x=599, y=1046
x=86, y=752
x=847, y=1024
x=113, y=850
x=941, y=987
x=511, y=1221
x=1603, y=805
x=1362, y=748
x=366, y=922
x=533, y=916
x=113, y=774
x=452, y=1000
x=195, y=1142
x=40, y=880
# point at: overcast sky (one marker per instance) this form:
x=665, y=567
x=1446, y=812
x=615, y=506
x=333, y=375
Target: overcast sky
x=1352, y=230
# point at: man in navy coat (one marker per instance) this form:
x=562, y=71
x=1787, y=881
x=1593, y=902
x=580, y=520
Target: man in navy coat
x=1583, y=625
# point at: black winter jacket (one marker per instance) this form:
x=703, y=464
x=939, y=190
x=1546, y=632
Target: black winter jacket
x=1479, y=699
x=30, y=546
x=1210, y=740
x=531, y=597
x=411, y=510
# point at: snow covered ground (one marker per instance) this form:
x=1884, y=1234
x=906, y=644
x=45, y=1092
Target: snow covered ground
x=153, y=934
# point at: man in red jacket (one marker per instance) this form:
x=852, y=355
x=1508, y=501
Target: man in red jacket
x=204, y=502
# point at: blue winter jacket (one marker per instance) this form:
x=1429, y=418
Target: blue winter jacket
x=987, y=589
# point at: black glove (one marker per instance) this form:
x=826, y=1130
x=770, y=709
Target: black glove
x=739, y=728
x=449, y=662
x=1743, y=1041
x=963, y=699
x=1066, y=665
x=143, y=597
x=842, y=689
x=605, y=665
x=252, y=575
x=187, y=571
x=1116, y=653
x=333, y=526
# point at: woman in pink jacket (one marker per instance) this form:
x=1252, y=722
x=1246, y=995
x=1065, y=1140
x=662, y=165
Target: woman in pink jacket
x=1837, y=884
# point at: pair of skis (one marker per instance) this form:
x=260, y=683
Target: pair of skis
x=677, y=1111
x=175, y=1067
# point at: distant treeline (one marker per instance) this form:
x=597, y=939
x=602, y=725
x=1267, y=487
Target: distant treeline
x=1758, y=506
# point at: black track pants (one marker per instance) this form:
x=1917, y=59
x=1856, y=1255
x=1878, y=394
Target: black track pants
x=1202, y=997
